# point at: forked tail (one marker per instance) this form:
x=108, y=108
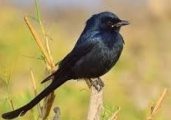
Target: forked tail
x=22, y=110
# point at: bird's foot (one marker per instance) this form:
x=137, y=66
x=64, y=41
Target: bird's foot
x=96, y=83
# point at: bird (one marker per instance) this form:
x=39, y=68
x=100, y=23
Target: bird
x=96, y=51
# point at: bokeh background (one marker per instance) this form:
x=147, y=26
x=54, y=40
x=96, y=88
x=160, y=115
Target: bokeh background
x=135, y=83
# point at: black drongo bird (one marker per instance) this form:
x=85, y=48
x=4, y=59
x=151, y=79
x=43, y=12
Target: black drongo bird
x=95, y=53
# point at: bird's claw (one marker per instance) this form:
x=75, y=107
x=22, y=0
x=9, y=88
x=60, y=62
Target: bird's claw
x=96, y=83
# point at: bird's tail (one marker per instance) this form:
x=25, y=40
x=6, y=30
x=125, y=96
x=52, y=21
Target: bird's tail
x=22, y=110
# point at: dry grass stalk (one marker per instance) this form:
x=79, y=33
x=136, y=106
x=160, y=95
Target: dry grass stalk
x=57, y=113
x=155, y=108
x=33, y=82
x=11, y=103
x=48, y=101
x=115, y=115
x=47, y=105
x=35, y=91
x=46, y=43
x=39, y=43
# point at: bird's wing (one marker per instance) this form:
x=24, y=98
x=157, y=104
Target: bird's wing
x=76, y=54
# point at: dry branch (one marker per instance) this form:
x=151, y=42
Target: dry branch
x=95, y=105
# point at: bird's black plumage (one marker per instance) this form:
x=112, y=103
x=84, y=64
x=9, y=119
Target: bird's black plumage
x=95, y=53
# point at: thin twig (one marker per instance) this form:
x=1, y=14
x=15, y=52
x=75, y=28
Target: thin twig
x=155, y=109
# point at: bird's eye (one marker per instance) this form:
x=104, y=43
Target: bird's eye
x=110, y=24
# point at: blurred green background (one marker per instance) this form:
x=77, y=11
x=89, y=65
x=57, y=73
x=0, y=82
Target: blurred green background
x=134, y=84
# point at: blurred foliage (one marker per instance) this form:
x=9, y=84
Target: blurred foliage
x=138, y=78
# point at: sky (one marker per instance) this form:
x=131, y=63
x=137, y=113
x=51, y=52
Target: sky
x=75, y=3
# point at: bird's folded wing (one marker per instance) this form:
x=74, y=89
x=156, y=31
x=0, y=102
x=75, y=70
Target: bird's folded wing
x=75, y=55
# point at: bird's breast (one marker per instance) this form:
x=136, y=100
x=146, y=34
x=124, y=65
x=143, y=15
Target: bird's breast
x=99, y=61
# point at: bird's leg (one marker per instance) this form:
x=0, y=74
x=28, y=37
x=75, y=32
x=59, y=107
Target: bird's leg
x=101, y=83
x=97, y=83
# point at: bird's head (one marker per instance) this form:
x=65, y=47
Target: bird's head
x=106, y=21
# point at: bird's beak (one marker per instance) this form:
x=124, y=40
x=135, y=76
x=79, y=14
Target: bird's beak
x=122, y=23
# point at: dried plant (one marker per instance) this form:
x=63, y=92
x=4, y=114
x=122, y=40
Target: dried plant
x=115, y=115
x=155, y=108
x=48, y=101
